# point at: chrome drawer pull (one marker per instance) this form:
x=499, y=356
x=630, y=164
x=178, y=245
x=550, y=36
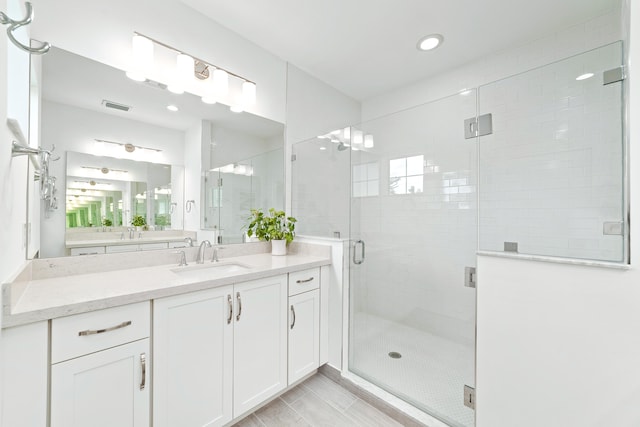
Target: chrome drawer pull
x=230, y=318
x=101, y=331
x=143, y=365
x=305, y=280
x=239, y=306
x=293, y=313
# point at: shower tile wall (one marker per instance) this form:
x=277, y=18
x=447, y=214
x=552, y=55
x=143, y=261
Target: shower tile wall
x=551, y=173
x=320, y=188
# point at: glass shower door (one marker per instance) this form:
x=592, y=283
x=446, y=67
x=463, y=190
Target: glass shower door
x=413, y=231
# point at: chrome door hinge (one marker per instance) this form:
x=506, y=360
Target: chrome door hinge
x=470, y=397
x=293, y=157
x=478, y=126
x=613, y=75
x=470, y=277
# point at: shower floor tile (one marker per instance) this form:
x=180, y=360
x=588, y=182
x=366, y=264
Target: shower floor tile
x=430, y=374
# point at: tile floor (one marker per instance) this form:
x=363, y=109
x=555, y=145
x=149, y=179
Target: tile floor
x=318, y=402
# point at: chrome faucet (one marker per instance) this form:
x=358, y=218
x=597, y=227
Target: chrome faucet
x=131, y=231
x=189, y=240
x=200, y=258
x=183, y=258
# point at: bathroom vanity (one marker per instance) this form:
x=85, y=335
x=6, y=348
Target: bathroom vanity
x=158, y=343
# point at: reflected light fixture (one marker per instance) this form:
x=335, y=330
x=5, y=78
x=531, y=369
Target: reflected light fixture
x=209, y=96
x=430, y=42
x=584, y=76
x=172, y=108
x=220, y=82
x=368, y=141
x=358, y=137
x=129, y=148
x=141, y=58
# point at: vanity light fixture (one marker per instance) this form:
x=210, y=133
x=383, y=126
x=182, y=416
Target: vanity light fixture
x=584, y=76
x=172, y=108
x=187, y=67
x=237, y=108
x=430, y=42
x=104, y=170
x=358, y=137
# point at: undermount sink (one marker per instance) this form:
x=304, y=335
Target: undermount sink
x=210, y=270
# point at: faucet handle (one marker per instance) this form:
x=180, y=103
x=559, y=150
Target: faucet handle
x=183, y=258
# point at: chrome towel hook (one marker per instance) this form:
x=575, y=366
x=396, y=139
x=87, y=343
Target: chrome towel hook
x=14, y=25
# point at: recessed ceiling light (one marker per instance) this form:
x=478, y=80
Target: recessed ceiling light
x=584, y=76
x=430, y=42
x=172, y=108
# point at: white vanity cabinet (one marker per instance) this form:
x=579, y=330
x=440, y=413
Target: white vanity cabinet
x=220, y=352
x=304, y=323
x=100, y=374
x=193, y=351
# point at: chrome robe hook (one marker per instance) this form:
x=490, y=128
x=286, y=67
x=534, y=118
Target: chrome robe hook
x=14, y=25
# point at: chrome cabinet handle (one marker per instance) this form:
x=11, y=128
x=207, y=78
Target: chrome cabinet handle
x=230, y=318
x=305, y=280
x=239, y=306
x=101, y=331
x=293, y=313
x=143, y=366
x=361, y=260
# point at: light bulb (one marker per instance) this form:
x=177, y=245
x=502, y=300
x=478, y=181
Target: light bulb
x=141, y=58
x=358, y=137
x=209, y=96
x=220, y=82
x=183, y=73
x=248, y=93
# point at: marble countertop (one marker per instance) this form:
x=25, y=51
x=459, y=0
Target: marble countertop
x=33, y=299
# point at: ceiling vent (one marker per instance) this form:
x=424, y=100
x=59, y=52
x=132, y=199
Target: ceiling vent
x=115, y=105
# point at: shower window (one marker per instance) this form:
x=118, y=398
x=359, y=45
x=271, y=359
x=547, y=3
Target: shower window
x=366, y=179
x=406, y=175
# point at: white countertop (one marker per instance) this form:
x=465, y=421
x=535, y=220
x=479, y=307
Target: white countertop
x=48, y=298
x=120, y=242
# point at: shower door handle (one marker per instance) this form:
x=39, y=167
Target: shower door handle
x=355, y=246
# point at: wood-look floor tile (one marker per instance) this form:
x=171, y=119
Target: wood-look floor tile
x=250, y=421
x=294, y=394
x=335, y=395
x=279, y=414
x=320, y=413
x=368, y=416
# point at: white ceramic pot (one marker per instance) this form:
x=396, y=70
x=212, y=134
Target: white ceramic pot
x=278, y=247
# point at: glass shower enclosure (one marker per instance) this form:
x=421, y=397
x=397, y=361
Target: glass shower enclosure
x=532, y=165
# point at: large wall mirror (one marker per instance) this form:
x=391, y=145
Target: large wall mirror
x=123, y=155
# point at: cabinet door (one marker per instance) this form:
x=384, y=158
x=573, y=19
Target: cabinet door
x=192, y=348
x=104, y=389
x=260, y=342
x=304, y=334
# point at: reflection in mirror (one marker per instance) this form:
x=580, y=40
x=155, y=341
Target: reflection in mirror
x=90, y=109
x=107, y=192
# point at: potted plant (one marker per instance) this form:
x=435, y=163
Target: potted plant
x=138, y=221
x=106, y=222
x=275, y=227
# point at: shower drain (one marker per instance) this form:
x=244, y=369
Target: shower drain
x=395, y=355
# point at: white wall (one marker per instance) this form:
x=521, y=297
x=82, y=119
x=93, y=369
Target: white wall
x=73, y=129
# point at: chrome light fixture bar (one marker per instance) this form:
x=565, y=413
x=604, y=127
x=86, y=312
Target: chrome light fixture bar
x=130, y=148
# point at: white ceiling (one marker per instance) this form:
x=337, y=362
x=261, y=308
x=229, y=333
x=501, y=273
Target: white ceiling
x=367, y=47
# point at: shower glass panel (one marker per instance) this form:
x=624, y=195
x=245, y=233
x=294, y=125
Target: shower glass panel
x=413, y=231
x=320, y=185
x=552, y=172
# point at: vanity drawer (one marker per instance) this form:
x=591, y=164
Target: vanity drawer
x=86, y=333
x=121, y=248
x=303, y=281
x=153, y=246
